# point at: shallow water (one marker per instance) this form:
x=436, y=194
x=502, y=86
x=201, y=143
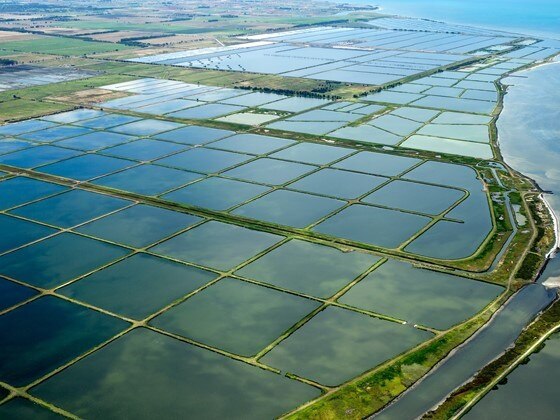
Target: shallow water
x=308, y=268
x=310, y=351
x=528, y=130
x=468, y=359
x=289, y=208
x=66, y=332
x=536, y=17
x=217, y=245
x=129, y=288
x=529, y=127
x=530, y=390
x=157, y=376
x=216, y=193
x=236, y=316
x=420, y=296
x=57, y=260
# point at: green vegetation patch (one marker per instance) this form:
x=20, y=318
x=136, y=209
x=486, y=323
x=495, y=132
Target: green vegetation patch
x=19, y=109
x=529, y=267
x=62, y=46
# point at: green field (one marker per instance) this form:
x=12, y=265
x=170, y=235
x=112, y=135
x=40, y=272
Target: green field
x=18, y=109
x=61, y=46
x=195, y=26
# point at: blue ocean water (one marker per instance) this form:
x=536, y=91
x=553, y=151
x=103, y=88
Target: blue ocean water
x=536, y=17
x=529, y=127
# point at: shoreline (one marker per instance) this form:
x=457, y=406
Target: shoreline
x=439, y=364
x=542, y=196
x=410, y=14
x=550, y=254
x=555, y=247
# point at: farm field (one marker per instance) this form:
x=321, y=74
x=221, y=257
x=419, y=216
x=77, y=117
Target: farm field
x=61, y=46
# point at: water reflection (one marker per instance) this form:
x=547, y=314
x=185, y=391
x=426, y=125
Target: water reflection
x=529, y=127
